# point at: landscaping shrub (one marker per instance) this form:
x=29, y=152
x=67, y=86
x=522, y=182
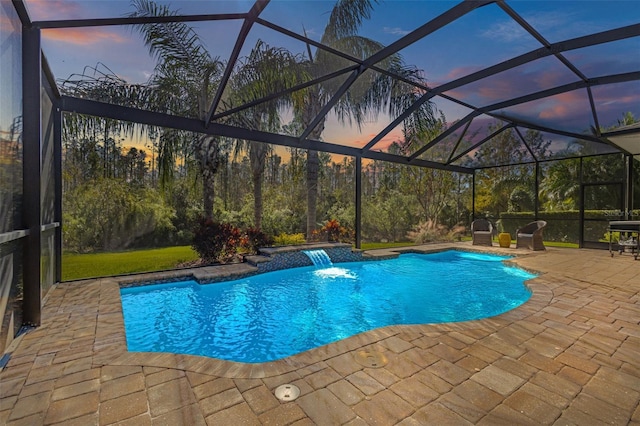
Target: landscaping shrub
x=216, y=242
x=332, y=231
x=254, y=238
x=429, y=231
x=289, y=239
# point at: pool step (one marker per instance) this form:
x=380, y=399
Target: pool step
x=217, y=273
x=256, y=259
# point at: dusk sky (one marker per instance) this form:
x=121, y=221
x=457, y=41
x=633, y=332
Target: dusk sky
x=480, y=39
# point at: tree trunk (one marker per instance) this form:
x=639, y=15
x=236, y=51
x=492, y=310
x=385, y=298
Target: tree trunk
x=312, y=190
x=257, y=199
x=257, y=157
x=313, y=108
x=208, y=193
x=208, y=155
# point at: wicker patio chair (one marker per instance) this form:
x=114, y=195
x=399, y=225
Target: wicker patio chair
x=530, y=235
x=482, y=232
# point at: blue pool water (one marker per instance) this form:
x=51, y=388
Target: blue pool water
x=278, y=314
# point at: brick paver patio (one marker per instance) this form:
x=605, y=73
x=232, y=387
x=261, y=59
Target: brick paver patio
x=569, y=356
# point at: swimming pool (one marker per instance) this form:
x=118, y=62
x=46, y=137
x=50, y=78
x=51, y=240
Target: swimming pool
x=277, y=314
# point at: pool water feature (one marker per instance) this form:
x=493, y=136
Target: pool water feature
x=278, y=314
x=319, y=258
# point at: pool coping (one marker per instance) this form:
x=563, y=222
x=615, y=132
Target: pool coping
x=118, y=354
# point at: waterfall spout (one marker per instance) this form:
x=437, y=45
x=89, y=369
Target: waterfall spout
x=320, y=258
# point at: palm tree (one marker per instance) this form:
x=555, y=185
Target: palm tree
x=266, y=70
x=627, y=119
x=101, y=84
x=185, y=80
x=560, y=185
x=369, y=95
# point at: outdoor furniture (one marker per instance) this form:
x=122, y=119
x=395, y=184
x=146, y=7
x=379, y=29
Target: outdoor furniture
x=530, y=235
x=628, y=236
x=482, y=232
x=504, y=239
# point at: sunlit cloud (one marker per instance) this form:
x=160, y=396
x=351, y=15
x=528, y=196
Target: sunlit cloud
x=384, y=143
x=395, y=31
x=458, y=72
x=555, y=112
x=551, y=78
x=83, y=37
x=573, y=97
x=497, y=90
x=569, y=111
x=51, y=9
x=451, y=75
x=512, y=83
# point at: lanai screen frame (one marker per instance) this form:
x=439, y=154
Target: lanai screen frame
x=37, y=77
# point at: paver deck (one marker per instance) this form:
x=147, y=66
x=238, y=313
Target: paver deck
x=569, y=356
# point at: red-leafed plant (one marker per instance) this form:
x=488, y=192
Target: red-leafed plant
x=334, y=232
x=216, y=242
x=254, y=238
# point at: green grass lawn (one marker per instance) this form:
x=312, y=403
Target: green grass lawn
x=78, y=266
x=373, y=246
x=559, y=244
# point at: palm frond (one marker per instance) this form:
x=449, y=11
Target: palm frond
x=170, y=42
x=346, y=18
x=99, y=83
x=264, y=71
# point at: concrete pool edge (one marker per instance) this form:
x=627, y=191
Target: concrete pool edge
x=212, y=274
x=117, y=353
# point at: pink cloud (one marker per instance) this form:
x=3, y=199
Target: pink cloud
x=83, y=37
x=573, y=96
x=498, y=89
x=555, y=112
x=569, y=105
x=42, y=10
x=453, y=74
x=547, y=79
x=384, y=143
x=519, y=81
x=490, y=90
x=460, y=72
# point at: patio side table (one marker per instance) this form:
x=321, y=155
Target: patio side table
x=504, y=238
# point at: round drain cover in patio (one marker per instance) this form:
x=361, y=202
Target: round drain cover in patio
x=287, y=392
x=371, y=359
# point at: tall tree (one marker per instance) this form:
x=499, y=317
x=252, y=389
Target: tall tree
x=560, y=185
x=369, y=95
x=266, y=70
x=185, y=79
x=495, y=185
x=431, y=187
